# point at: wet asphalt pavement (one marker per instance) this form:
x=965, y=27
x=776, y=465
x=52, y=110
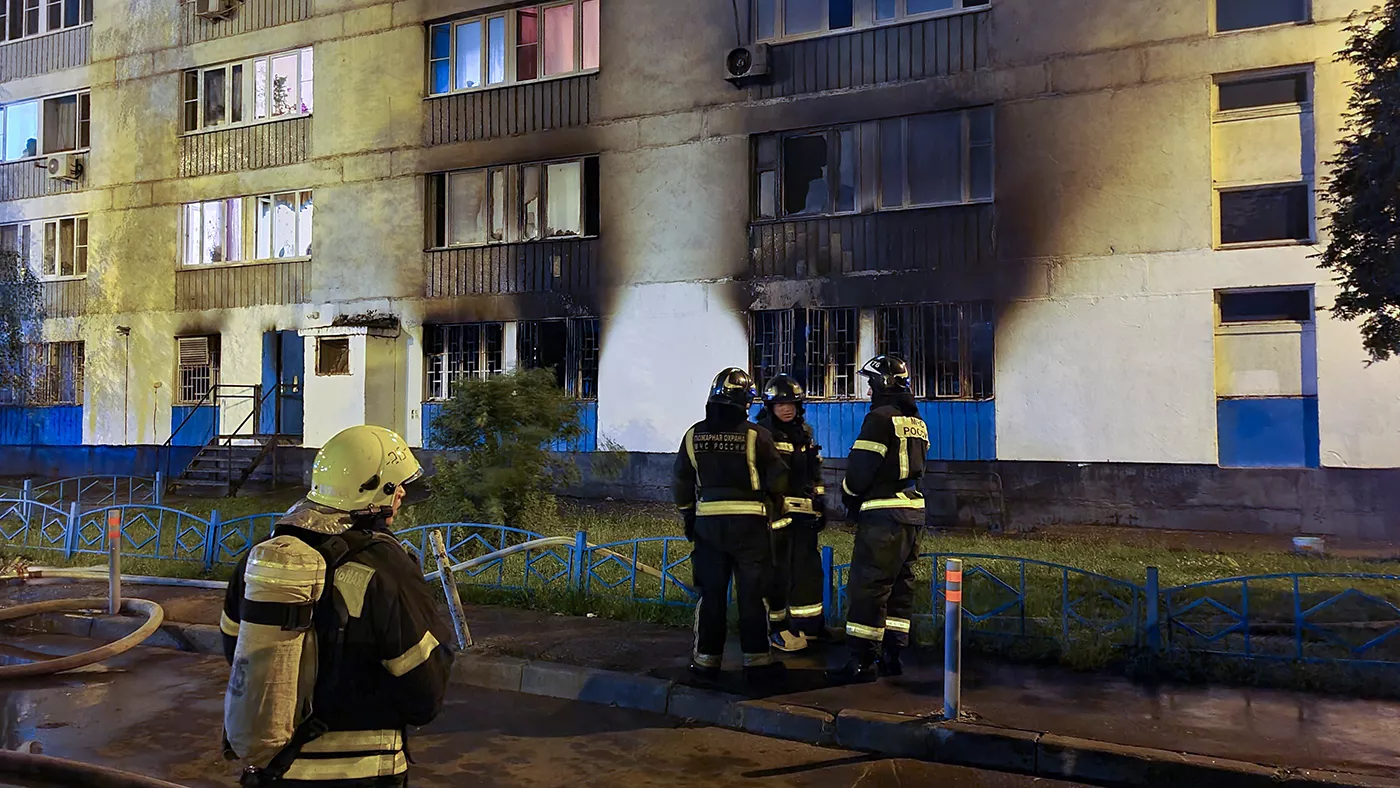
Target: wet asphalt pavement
x=158, y=713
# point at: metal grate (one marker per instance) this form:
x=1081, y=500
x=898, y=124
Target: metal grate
x=585, y=347
x=456, y=352
x=949, y=347
x=198, y=366
x=817, y=345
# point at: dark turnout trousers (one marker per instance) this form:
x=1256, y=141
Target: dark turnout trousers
x=881, y=582
x=795, y=603
x=735, y=546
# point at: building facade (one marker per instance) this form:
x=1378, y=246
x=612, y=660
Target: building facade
x=1088, y=223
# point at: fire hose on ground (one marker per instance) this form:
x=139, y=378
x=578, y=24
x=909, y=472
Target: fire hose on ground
x=42, y=771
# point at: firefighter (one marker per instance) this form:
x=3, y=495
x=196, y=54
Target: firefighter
x=729, y=481
x=383, y=648
x=795, y=603
x=881, y=492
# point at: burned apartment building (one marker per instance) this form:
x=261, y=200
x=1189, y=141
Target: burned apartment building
x=1087, y=223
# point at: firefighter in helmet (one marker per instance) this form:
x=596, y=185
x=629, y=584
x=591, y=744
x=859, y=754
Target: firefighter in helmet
x=795, y=602
x=881, y=493
x=382, y=649
x=729, y=482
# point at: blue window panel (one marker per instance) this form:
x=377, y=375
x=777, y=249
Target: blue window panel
x=60, y=425
x=588, y=418
x=198, y=430
x=958, y=430
x=1276, y=432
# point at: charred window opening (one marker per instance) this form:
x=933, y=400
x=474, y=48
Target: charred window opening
x=521, y=202
x=949, y=347
x=817, y=345
x=197, y=361
x=459, y=352
x=332, y=356
x=1245, y=14
x=1272, y=213
x=569, y=348
x=920, y=161
x=52, y=375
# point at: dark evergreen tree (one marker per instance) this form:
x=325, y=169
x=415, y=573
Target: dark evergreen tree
x=1364, y=189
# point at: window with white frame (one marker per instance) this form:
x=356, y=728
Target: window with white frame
x=43, y=126
x=54, y=248
x=949, y=347
x=1263, y=137
x=513, y=46
x=248, y=91
x=787, y=19
x=247, y=229
x=25, y=18
x=459, y=352
x=515, y=203
x=818, y=345
x=197, y=368
x=942, y=158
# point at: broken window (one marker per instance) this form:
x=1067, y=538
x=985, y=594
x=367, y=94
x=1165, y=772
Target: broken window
x=543, y=41
x=459, y=352
x=258, y=88
x=816, y=345
x=332, y=356
x=949, y=347
x=197, y=370
x=262, y=227
x=806, y=174
x=568, y=347
x=1245, y=14
x=524, y=202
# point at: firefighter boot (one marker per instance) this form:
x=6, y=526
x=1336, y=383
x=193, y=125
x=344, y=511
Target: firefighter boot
x=705, y=672
x=862, y=668
x=890, y=663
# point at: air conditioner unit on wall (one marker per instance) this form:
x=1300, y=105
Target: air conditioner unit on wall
x=746, y=63
x=217, y=9
x=64, y=167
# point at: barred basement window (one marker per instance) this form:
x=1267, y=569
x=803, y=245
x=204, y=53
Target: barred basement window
x=52, y=375
x=197, y=368
x=462, y=351
x=949, y=347
x=816, y=345
x=568, y=347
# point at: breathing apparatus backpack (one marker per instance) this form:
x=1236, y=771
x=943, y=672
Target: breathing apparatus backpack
x=268, y=715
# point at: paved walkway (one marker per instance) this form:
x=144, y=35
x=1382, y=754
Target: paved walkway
x=1274, y=727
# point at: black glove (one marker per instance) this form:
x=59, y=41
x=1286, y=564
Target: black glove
x=819, y=506
x=689, y=517
x=852, y=504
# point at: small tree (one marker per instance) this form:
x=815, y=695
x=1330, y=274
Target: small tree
x=20, y=315
x=1364, y=189
x=498, y=430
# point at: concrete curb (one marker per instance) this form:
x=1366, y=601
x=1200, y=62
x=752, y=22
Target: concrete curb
x=959, y=743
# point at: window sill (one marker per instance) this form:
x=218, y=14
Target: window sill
x=45, y=34
x=503, y=85
x=240, y=263
x=1260, y=113
x=73, y=278
x=1284, y=243
x=875, y=25
x=244, y=125
x=1277, y=26
x=494, y=244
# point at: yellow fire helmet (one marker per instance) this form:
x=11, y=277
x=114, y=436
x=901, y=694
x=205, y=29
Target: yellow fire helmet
x=359, y=470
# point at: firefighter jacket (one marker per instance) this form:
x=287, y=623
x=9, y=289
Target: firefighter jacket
x=728, y=465
x=391, y=668
x=887, y=461
x=803, y=456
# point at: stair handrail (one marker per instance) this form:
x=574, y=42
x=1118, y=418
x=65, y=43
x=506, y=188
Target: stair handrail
x=255, y=412
x=210, y=399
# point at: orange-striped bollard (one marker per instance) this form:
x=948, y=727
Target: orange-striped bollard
x=952, y=640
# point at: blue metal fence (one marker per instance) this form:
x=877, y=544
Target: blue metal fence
x=1300, y=617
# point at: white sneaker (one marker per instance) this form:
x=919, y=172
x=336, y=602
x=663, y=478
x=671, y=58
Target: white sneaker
x=788, y=641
